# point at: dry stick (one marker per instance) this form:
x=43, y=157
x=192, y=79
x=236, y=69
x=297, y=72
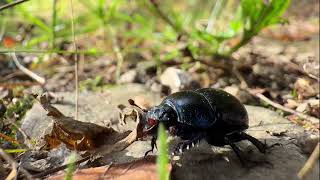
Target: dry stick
x=31, y=74
x=116, y=49
x=54, y=170
x=76, y=62
x=310, y=162
x=14, y=165
x=2, y=51
x=278, y=106
x=12, y=4
x=244, y=86
x=8, y=138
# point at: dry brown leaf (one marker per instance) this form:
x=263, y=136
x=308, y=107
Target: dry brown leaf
x=78, y=135
x=142, y=102
x=306, y=124
x=143, y=169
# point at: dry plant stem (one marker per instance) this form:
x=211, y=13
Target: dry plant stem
x=278, y=106
x=310, y=162
x=116, y=49
x=31, y=74
x=213, y=15
x=2, y=51
x=54, y=170
x=75, y=62
x=14, y=165
x=8, y=138
x=244, y=86
x=12, y=4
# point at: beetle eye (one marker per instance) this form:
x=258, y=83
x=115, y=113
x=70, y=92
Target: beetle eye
x=151, y=122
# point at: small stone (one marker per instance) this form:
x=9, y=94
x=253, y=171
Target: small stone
x=308, y=142
x=156, y=87
x=303, y=107
x=128, y=77
x=176, y=79
x=306, y=88
x=291, y=104
x=240, y=94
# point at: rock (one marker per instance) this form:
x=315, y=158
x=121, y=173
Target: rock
x=312, y=67
x=243, y=96
x=283, y=162
x=39, y=161
x=176, y=79
x=128, y=77
x=308, y=141
x=146, y=70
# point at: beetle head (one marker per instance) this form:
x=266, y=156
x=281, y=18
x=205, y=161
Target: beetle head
x=162, y=113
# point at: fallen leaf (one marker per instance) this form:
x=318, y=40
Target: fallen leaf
x=142, y=169
x=81, y=136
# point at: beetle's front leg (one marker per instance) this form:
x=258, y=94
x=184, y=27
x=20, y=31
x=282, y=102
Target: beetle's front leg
x=153, y=144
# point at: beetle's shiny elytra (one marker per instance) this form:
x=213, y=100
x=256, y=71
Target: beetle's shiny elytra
x=210, y=114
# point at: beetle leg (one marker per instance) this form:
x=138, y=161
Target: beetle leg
x=235, y=149
x=186, y=145
x=153, y=145
x=262, y=147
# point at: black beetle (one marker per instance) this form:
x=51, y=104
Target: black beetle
x=210, y=114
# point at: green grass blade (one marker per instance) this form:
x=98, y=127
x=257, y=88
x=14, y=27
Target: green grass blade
x=162, y=160
x=71, y=166
x=12, y=151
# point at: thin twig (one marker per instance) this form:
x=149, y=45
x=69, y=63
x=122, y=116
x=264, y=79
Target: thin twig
x=278, y=106
x=31, y=74
x=12, y=4
x=214, y=13
x=2, y=51
x=3, y=28
x=314, y=157
x=245, y=86
x=9, y=139
x=54, y=170
x=14, y=165
x=75, y=62
x=117, y=51
x=243, y=82
x=53, y=23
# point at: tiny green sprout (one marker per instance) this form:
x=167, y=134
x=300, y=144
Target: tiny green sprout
x=71, y=166
x=163, y=159
x=294, y=93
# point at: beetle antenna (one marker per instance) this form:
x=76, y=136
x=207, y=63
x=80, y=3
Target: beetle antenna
x=131, y=102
